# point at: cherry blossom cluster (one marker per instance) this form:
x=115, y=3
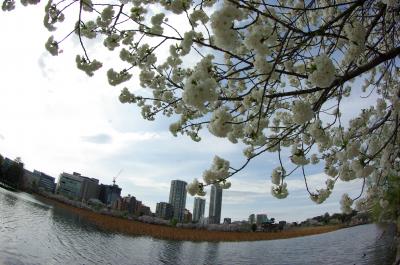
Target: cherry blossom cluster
x=274, y=77
x=200, y=86
x=217, y=175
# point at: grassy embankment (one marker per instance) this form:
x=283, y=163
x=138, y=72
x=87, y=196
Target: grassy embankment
x=165, y=232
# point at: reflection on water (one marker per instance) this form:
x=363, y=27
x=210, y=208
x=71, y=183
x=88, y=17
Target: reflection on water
x=34, y=232
x=211, y=252
x=168, y=251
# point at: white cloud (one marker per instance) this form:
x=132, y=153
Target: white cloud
x=152, y=183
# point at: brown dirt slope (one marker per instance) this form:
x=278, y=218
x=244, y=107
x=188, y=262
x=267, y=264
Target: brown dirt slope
x=165, y=232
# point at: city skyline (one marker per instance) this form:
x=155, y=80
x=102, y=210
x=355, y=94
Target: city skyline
x=90, y=188
x=82, y=188
x=244, y=217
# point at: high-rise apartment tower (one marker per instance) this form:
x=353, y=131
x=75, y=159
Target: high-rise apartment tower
x=198, y=208
x=177, y=198
x=214, y=214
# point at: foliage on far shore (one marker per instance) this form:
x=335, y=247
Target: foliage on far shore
x=109, y=222
x=11, y=172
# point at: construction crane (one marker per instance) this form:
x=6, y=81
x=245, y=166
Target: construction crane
x=116, y=176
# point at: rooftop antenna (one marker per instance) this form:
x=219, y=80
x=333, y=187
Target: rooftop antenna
x=119, y=173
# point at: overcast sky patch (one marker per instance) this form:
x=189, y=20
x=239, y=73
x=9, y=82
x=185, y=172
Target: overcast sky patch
x=101, y=138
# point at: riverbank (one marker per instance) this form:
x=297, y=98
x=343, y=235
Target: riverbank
x=132, y=227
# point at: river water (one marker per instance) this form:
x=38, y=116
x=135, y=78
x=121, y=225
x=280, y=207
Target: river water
x=34, y=232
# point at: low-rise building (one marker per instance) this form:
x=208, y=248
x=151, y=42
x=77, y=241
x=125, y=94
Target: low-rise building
x=261, y=218
x=145, y=210
x=126, y=204
x=252, y=219
x=46, y=182
x=7, y=164
x=138, y=207
x=117, y=204
x=12, y=172
x=70, y=185
x=90, y=189
x=164, y=210
x=30, y=181
x=203, y=221
x=311, y=222
x=187, y=216
x=130, y=203
x=109, y=194
x=227, y=220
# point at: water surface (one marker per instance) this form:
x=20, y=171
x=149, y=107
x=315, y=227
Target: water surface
x=36, y=232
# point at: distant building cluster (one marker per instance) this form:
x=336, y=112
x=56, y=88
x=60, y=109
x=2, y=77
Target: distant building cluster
x=164, y=210
x=88, y=190
x=39, y=180
x=132, y=206
x=258, y=219
x=81, y=190
x=84, y=189
x=175, y=208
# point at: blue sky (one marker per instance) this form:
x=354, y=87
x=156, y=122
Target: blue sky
x=57, y=119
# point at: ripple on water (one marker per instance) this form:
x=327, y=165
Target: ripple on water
x=31, y=233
